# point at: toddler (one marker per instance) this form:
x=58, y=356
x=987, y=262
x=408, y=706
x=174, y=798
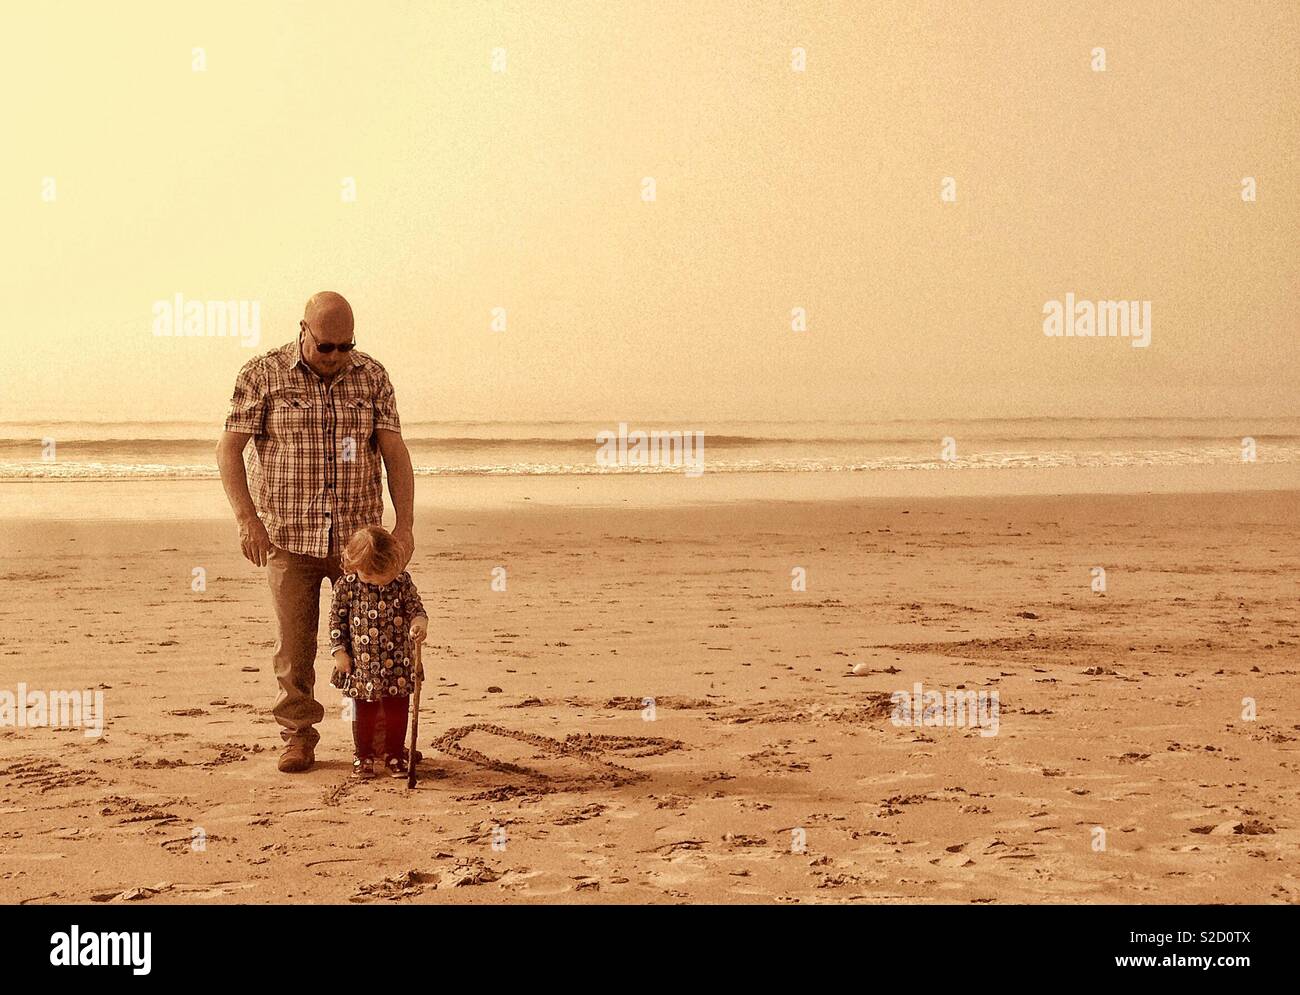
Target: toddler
x=376, y=622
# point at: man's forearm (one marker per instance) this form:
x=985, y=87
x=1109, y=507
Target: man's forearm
x=235, y=481
x=401, y=486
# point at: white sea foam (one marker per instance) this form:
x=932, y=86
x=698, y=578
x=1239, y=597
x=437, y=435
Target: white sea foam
x=185, y=451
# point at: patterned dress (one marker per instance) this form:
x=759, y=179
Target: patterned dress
x=373, y=623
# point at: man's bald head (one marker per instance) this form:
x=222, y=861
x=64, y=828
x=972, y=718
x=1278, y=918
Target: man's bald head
x=326, y=320
x=330, y=316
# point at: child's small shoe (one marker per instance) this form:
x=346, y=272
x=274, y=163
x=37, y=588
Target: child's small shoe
x=396, y=766
x=363, y=768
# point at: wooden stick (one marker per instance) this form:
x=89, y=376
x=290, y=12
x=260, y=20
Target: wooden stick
x=415, y=719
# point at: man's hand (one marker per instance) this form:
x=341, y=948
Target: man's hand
x=253, y=541
x=406, y=539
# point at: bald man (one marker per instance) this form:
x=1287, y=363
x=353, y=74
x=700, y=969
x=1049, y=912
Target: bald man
x=322, y=416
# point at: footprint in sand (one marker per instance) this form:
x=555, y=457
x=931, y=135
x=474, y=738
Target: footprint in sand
x=42, y=775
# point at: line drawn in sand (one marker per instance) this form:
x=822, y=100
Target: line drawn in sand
x=579, y=746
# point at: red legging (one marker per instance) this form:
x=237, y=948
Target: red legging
x=363, y=725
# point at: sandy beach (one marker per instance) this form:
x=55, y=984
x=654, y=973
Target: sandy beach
x=769, y=771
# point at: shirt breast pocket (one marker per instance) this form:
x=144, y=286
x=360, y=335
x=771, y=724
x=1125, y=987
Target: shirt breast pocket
x=358, y=424
x=290, y=414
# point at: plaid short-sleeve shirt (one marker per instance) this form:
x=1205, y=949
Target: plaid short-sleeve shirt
x=314, y=468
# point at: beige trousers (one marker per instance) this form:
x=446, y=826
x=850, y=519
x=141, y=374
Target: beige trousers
x=295, y=592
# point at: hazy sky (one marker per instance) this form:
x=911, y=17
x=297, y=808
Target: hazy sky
x=776, y=189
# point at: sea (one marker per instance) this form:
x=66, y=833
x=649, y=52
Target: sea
x=179, y=450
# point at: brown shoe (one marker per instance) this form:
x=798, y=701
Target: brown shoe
x=296, y=758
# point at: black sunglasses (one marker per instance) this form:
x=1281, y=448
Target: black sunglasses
x=327, y=347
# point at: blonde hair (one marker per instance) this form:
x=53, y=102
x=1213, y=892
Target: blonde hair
x=372, y=550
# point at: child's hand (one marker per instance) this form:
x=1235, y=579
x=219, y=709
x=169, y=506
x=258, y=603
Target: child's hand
x=343, y=662
x=420, y=629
